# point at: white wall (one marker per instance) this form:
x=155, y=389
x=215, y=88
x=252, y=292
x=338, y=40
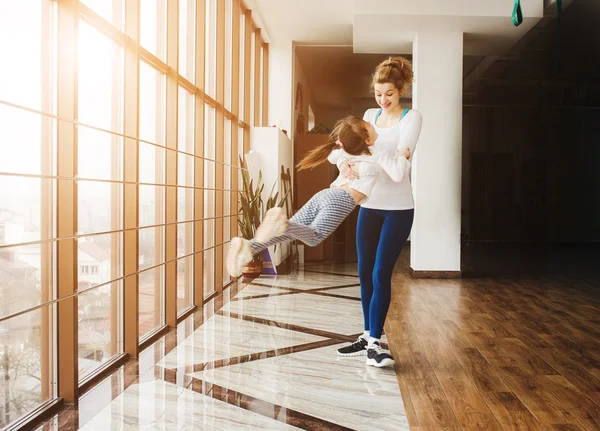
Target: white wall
x=271, y=149
x=280, y=86
x=436, y=172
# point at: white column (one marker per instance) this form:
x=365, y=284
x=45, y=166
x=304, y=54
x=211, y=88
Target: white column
x=436, y=172
x=280, y=85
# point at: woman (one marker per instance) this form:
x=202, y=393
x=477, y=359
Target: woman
x=324, y=212
x=385, y=219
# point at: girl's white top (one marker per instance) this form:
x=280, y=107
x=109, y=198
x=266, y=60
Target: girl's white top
x=370, y=168
x=387, y=193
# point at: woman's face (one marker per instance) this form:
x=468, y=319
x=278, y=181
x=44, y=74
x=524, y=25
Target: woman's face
x=387, y=95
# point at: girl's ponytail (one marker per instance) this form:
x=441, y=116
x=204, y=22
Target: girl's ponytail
x=318, y=155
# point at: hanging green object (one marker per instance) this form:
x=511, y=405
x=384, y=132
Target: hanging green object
x=517, y=15
x=557, y=54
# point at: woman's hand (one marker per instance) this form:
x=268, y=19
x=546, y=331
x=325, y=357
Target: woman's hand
x=347, y=170
x=404, y=153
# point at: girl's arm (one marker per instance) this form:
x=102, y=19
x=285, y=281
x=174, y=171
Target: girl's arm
x=346, y=168
x=366, y=169
x=335, y=157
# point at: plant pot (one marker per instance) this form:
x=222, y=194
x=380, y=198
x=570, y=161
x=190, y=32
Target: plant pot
x=252, y=270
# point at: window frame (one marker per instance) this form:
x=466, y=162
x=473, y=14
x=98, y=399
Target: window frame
x=60, y=149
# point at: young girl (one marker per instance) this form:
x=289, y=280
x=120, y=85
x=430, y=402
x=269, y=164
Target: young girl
x=326, y=210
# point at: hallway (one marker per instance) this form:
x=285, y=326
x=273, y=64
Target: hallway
x=135, y=134
x=514, y=346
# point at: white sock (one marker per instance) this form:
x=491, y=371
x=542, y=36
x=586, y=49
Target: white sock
x=366, y=334
x=373, y=340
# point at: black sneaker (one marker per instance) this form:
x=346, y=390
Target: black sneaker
x=378, y=357
x=358, y=348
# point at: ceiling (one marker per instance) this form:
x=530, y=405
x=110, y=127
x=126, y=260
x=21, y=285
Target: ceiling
x=339, y=42
x=382, y=26
x=322, y=22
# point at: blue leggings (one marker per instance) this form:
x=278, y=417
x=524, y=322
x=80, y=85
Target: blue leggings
x=380, y=236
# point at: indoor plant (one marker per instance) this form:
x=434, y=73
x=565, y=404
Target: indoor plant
x=249, y=217
x=252, y=211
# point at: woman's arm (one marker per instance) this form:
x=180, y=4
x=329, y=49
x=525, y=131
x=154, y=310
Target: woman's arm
x=396, y=167
x=411, y=131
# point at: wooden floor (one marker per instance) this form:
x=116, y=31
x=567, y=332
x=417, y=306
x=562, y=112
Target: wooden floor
x=514, y=345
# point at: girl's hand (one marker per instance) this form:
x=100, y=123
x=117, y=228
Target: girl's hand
x=347, y=170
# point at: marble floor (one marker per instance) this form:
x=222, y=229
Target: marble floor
x=262, y=357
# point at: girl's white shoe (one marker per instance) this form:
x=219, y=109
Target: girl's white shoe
x=239, y=255
x=274, y=224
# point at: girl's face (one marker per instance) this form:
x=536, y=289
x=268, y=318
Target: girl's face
x=372, y=134
x=387, y=95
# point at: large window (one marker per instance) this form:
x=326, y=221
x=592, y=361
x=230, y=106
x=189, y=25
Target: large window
x=120, y=146
x=253, y=94
x=227, y=183
x=185, y=201
x=152, y=197
x=187, y=39
x=209, y=200
x=228, y=54
x=242, y=66
x=27, y=208
x=153, y=27
x=100, y=197
x=210, y=84
x=26, y=367
x=110, y=10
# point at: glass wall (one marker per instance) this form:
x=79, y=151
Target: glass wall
x=114, y=169
x=27, y=208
